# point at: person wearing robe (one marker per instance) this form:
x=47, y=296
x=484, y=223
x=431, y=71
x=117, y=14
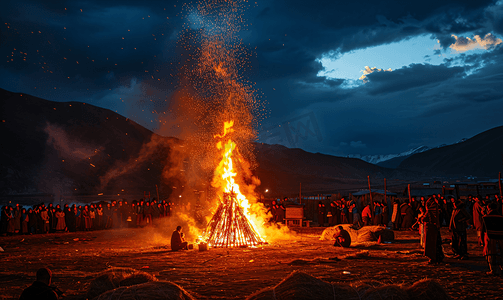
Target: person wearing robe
x=342, y=238
x=4, y=220
x=433, y=240
x=40, y=289
x=493, y=240
x=86, y=216
x=17, y=219
x=395, y=217
x=478, y=214
x=385, y=213
x=366, y=215
x=61, y=223
x=177, y=242
x=321, y=214
x=457, y=225
x=344, y=213
x=280, y=211
x=24, y=221
x=357, y=219
x=407, y=215
x=45, y=219
x=377, y=214
x=32, y=222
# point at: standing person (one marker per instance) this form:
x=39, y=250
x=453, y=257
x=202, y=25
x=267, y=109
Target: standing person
x=147, y=213
x=24, y=221
x=321, y=214
x=52, y=218
x=385, y=213
x=17, y=219
x=32, y=222
x=4, y=220
x=433, y=240
x=478, y=214
x=367, y=215
x=70, y=215
x=457, y=225
x=92, y=215
x=78, y=218
x=491, y=244
x=86, y=216
x=45, y=219
x=10, y=221
x=357, y=219
x=281, y=212
x=40, y=289
x=108, y=216
x=395, y=217
x=61, y=224
x=407, y=215
x=377, y=220
x=139, y=214
x=344, y=213
x=176, y=240
x=99, y=216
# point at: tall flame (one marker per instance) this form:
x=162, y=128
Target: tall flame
x=231, y=225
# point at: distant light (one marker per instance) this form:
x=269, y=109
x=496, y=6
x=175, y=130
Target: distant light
x=266, y=190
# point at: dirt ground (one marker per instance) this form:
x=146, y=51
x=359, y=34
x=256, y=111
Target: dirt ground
x=236, y=273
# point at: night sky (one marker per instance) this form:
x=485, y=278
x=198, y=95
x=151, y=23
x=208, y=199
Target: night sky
x=337, y=77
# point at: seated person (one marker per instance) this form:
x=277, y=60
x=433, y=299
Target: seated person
x=177, y=242
x=40, y=289
x=342, y=238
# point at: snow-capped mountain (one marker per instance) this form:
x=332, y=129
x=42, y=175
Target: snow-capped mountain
x=379, y=158
x=375, y=159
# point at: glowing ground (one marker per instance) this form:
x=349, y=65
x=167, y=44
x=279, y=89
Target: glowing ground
x=233, y=273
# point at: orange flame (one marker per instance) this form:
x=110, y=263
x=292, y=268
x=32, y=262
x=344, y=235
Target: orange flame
x=224, y=179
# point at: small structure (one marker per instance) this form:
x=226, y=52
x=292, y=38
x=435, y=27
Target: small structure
x=294, y=216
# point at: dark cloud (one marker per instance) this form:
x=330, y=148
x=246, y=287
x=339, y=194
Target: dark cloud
x=393, y=111
x=413, y=76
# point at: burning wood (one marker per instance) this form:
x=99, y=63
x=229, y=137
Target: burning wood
x=230, y=227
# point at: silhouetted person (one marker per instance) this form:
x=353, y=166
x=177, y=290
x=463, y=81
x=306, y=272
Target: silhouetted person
x=342, y=238
x=177, y=242
x=40, y=289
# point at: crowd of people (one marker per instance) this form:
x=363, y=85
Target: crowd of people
x=104, y=215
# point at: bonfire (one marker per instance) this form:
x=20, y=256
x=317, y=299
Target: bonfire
x=231, y=225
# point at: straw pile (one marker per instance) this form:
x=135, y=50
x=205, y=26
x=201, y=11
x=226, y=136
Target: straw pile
x=116, y=277
x=299, y=285
x=386, y=292
x=147, y=291
x=364, y=234
x=427, y=289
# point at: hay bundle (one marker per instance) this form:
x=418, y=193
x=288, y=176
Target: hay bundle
x=362, y=287
x=299, y=285
x=364, y=234
x=147, y=291
x=427, y=289
x=386, y=292
x=116, y=277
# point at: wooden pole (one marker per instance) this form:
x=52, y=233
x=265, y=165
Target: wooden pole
x=499, y=183
x=410, y=198
x=370, y=193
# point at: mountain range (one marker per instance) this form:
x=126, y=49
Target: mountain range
x=70, y=147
